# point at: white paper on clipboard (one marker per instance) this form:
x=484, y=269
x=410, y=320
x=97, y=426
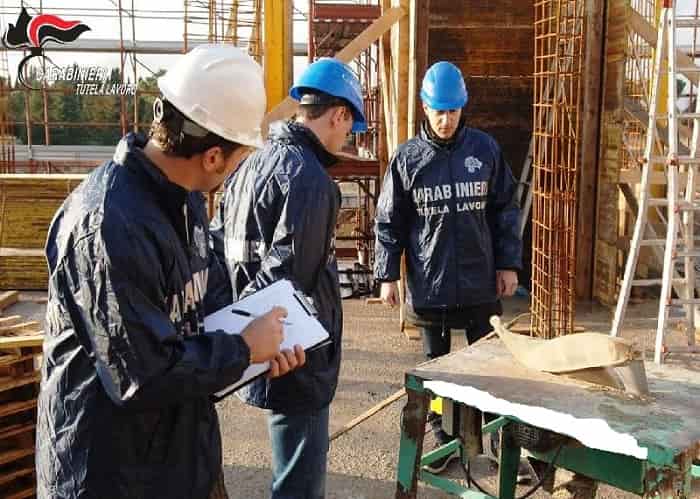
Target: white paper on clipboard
x=304, y=329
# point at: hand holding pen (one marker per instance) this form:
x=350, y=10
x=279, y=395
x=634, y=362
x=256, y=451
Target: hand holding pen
x=245, y=313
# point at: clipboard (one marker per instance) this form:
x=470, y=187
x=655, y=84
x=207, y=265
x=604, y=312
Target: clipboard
x=303, y=329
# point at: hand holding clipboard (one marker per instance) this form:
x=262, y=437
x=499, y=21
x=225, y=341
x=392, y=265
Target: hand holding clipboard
x=301, y=327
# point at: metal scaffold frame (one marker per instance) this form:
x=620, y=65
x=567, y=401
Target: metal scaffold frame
x=203, y=21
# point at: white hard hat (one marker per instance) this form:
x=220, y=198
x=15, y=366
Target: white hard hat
x=221, y=88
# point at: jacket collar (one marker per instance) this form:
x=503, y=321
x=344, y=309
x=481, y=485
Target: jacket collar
x=293, y=132
x=130, y=154
x=427, y=134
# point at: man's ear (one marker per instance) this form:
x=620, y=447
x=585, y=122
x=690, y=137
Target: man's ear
x=213, y=160
x=338, y=115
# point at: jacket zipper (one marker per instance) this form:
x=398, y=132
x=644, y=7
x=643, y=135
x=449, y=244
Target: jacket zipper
x=453, y=216
x=187, y=225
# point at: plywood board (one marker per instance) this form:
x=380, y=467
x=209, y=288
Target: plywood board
x=8, y=298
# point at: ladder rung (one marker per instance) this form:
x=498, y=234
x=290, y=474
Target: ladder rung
x=683, y=160
x=687, y=254
x=685, y=205
x=687, y=22
x=688, y=116
x=688, y=69
x=657, y=201
x=685, y=301
x=652, y=242
x=646, y=282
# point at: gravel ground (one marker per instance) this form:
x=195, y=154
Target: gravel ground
x=362, y=463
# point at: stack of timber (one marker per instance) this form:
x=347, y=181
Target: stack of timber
x=27, y=205
x=20, y=358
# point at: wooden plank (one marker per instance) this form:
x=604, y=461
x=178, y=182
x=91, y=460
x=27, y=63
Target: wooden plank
x=11, y=382
x=8, y=298
x=287, y=107
x=14, y=430
x=15, y=455
x=25, y=493
x=19, y=472
x=588, y=175
x=12, y=342
x=368, y=414
x=29, y=327
x=9, y=320
x=17, y=407
x=8, y=360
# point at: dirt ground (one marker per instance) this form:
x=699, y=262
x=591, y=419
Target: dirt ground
x=362, y=463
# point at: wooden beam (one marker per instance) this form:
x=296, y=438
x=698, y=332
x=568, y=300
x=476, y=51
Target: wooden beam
x=8, y=298
x=12, y=342
x=288, y=106
x=400, y=38
x=277, y=56
x=369, y=413
x=388, y=100
x=592, y=104
x=418, y=60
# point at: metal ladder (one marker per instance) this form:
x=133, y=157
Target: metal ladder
x=681, y=202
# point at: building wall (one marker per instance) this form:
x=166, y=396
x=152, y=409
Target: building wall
x=492, y=43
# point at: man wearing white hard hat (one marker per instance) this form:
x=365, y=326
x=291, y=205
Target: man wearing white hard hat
x=125, y=408
x=277, y=220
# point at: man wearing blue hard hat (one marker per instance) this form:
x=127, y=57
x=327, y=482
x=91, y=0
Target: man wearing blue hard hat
x=277, y=221
x=447, y=201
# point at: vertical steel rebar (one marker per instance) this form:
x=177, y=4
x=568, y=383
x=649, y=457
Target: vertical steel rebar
x=557, y=95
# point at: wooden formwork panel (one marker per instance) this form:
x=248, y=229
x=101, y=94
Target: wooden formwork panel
x=23, y=269
x=27, y=205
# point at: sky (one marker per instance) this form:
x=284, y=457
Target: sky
x=155, y=20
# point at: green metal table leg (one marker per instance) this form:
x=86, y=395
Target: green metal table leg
x=509, y=459
x=412, y=432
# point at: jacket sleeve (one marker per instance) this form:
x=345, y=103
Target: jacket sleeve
x=503, y=213
x=391, y=225
x=303, y=212
x=114, y=286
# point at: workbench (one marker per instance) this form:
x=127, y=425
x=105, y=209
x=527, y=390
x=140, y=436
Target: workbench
x=644, y=445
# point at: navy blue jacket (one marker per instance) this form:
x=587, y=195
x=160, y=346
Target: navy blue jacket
x=125, y=408
x=451, y=208
x=277, y=221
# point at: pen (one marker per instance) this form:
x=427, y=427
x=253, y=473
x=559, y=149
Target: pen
x=245, y=313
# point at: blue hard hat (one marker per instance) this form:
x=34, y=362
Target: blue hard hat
x=333, y=78
x=443, y=87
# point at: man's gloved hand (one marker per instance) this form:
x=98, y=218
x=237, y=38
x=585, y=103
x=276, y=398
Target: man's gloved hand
x=506, y=282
